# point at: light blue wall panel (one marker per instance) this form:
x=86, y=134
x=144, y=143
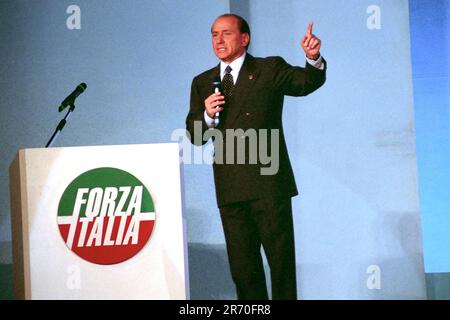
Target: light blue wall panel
x=352, y=144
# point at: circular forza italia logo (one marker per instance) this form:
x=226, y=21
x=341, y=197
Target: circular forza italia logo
x=106, y=215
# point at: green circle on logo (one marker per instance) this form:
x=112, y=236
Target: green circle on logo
x=106, y=215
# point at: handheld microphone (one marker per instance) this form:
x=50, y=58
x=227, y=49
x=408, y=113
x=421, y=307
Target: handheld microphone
x=216, y=86
x=71, y=97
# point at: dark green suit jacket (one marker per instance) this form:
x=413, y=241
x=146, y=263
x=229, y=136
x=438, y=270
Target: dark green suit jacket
x=257, y=103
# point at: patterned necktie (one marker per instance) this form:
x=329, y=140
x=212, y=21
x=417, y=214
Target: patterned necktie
x=228, y=84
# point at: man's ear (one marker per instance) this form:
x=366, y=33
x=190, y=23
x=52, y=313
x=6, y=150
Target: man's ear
x=245, y=39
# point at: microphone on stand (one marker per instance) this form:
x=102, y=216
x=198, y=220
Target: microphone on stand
x=71, y=97
x=68, y=101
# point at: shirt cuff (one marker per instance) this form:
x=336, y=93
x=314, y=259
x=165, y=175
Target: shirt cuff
x=209, y=121
x=316, y=63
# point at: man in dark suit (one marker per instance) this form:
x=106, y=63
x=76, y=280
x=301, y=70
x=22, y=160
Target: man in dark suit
x=255, y=205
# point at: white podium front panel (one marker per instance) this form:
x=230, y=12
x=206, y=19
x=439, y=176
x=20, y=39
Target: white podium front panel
x=73, y=249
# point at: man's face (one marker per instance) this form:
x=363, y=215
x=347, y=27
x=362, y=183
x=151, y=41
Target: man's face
x=228, y=42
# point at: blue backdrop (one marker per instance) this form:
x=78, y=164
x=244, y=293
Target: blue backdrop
x=352, y=143
x=430, y=47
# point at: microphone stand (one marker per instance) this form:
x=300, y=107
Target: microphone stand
x=60, y=126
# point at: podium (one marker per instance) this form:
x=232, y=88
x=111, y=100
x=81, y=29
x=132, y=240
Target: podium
x=101, y=222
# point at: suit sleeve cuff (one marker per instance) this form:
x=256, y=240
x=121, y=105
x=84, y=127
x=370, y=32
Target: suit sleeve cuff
x=316, y=63
x=209, y=121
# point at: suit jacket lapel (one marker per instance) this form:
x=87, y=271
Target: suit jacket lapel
x=214, y=75
x=247, y=77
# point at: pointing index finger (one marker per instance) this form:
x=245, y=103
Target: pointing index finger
x=310, y=26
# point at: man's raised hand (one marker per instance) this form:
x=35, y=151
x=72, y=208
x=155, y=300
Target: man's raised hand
x=310, y=43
